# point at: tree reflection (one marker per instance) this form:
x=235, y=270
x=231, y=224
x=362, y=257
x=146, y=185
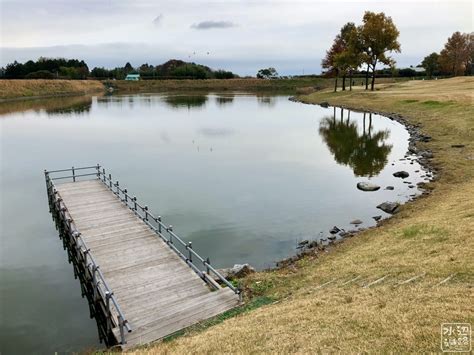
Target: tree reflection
x=185, y=101
x=265, y=100
x=365, y=153
x=71, y=108
x=224, y=100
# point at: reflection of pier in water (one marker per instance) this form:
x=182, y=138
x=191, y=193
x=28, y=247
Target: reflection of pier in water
x=365, y=153
x=96, y=305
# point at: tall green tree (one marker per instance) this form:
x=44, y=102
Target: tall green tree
x=267, y=73
x=379, y=36
x=430, y=64
x=350, y=56
x=128, y=68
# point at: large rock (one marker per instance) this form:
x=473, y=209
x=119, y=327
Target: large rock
x=389, y=207
x=367, y=186
x=426, y=154
x=324, y=104
x=401, y=174
x=237, y=271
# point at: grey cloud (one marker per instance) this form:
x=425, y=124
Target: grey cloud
x=158, y=19
x=207, y=25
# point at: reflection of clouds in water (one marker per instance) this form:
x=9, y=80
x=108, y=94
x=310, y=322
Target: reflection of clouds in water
x=216, y=132
x=165, y=137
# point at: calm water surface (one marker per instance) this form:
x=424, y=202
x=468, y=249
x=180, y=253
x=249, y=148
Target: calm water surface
x=243, y=177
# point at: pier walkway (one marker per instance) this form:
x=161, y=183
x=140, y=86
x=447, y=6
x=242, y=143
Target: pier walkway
x=144, y=281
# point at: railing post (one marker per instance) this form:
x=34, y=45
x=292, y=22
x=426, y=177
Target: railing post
x=170, y=229
x=110, y=181
x=73, y=175
x=103, y=173
x=159, y=224
x=126, y=196
x=117, y=185
x=96, y=282
x=48, y=187
x=146, y=212
x=208, y=262
x=98, y=170
x=190, y=254
x=135, y=203
x=108, y=295
x=122, y=333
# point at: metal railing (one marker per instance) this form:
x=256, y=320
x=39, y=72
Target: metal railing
x=183, y=249
x=100, y=287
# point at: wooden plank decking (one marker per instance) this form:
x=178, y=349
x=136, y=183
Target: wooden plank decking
x=156, y=290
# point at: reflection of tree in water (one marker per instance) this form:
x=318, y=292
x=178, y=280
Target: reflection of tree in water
x=71, y=109
x=268, y=101
x=224, y=100
x=366, y=154
x=189, y=101
x=51, y=105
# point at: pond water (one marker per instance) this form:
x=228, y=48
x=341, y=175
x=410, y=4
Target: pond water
x=244, y=177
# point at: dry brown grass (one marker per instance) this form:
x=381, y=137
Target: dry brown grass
x=433, y=236
x=307, y=85
x=14, y=89
x=212, y=85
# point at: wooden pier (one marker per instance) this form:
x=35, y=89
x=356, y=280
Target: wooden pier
x=142, y=280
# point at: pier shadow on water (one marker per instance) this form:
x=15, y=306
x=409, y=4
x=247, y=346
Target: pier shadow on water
x=365, y=151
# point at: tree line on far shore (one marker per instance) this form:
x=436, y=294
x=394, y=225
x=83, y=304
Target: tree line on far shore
x=357, y=49
x=456, y=58
x=53, y=68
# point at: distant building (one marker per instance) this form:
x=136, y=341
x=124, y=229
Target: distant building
x=134, y=77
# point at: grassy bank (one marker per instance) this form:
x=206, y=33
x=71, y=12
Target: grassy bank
x=290, y=86
x=27, y=89
x=431, y=240
x=252, y=85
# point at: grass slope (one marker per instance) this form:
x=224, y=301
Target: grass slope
x=23, y=89
x=433, y=238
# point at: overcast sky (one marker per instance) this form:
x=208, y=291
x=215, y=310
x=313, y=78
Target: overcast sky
x=238, y=35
